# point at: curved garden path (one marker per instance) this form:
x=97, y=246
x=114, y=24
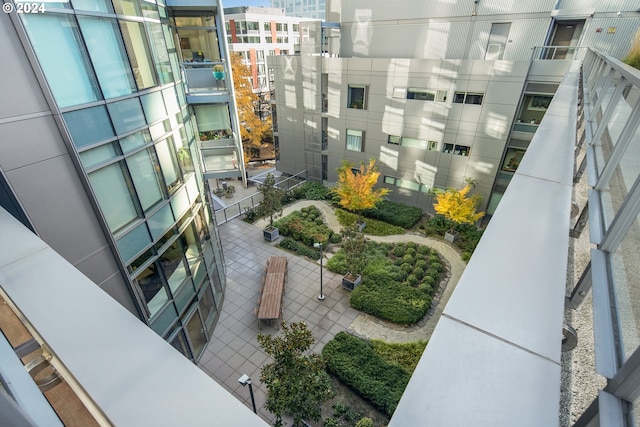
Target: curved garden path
x=369, y=326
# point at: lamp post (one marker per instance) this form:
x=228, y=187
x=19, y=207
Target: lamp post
x=244, y=380
x=319, y=245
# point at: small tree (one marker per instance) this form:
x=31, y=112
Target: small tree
x=271, y=204
x=355, y=189
x=253, y=129
x=297, y=383
x=456, y=206
x=354, y=245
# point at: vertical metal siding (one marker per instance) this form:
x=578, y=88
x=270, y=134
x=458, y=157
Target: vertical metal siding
x=601, y=6
x=524, y=35
x=616, y=44
x=479, y=40
x=508, y=7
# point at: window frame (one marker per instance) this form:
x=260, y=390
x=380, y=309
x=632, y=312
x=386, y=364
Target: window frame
x=362, y=136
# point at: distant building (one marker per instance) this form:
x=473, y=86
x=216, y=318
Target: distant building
x=258, y=32
x=305, y=9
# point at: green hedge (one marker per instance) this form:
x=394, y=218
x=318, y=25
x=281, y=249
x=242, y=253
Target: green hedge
x=394, y=213
x=373, y=227
x=355, y=363
x=306, y=226
x=381, y=296
x=298, y=248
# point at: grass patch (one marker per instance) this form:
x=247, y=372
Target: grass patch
x=373, y=227
x=354, y=361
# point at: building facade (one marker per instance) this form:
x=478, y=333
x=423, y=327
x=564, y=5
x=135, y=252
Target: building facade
x=461, y=100
x=100, y=151
x=258, y=32
x=314, y=9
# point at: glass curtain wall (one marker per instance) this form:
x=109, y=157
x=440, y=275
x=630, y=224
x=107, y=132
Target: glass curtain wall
x=138, y=154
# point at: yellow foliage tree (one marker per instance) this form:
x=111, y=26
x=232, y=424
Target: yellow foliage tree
x=356, y=188
x=253, y=130
x=456, y=206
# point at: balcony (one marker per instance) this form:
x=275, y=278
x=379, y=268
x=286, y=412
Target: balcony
x=204, y=83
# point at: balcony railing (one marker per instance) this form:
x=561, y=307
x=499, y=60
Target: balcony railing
x=203, y=79
x=559, y=52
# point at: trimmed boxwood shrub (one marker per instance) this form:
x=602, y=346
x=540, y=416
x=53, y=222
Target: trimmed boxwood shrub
x=399, y=214
x=398, y=250
x=305, y=225
x=383, y=297
x=355, y=363
x=299, y=248
x=421, y=264
x=418, y=272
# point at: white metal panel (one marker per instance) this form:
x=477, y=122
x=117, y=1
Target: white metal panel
x=600, y=6
x=479, y=40
x=384, y=10
x=507, y=7
x=524, y=35
x=129, y=372
x=615, y=44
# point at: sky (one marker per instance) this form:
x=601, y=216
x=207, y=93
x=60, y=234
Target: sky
x=233, y=3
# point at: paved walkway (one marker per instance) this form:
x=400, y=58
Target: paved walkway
x=234, y=350
x=369, y=326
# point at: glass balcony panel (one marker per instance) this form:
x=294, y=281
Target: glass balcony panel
x=625, y=262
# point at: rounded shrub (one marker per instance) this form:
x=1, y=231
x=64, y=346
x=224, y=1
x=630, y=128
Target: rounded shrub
x=406, y=267
x=319, y=221
x=436, y=266
x=427, y=289
x=365, y=422
x=418, y=272
x=398, y=261
x=412, y=280
x=434, y=258
x=412, y=245
x=428, y=281
x=408, y=258
x=335, y=238
x=411, y=251
x=421, y=264
x=424, y=250
x=398, y=250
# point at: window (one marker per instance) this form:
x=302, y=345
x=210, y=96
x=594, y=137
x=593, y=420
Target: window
x=269, y=39
x=459, y=150
x=109, y=58
x=468, y=98
x=512, y=159
x=357, y=97
x=152, y=287
x=252, y=26
x=89, y=125
x=355, y=140
x=267, y=26
x=153, y=106
x=296, y=27
x=406, y=184
x=112, y=188
x=413, y=143
x=283, y=40
x=65, y=63
x=160, y=53
x=139, y=53
x=126, y=115
x=144, y=170
x=393, y=139
x=168, y=163
x=426, y=94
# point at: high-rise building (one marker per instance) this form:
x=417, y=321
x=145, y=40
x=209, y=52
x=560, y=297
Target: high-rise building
x=308, y=9
x=103, y=106
x=436, y=93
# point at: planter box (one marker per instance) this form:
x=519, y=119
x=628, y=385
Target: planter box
x=349, y=284
x=450, y=237
x=271, y=233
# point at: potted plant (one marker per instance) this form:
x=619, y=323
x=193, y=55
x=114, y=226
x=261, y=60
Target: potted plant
x=218, y=72
x=458, y=208
x=354, y=244
x=271, y=205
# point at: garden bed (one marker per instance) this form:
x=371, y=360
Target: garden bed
x=398, y=282
x=302, y=229
x=377, y=371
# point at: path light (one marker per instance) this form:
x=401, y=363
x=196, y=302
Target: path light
x=319, y=245
x=244, y=380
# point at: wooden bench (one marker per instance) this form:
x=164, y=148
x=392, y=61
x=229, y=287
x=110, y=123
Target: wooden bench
x=272, y=295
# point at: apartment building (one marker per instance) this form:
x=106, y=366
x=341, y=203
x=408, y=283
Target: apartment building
x=258, y=32
x=436, y=92
x=101, y=154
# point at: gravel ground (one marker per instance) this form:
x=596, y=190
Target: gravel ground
x=580, y=383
